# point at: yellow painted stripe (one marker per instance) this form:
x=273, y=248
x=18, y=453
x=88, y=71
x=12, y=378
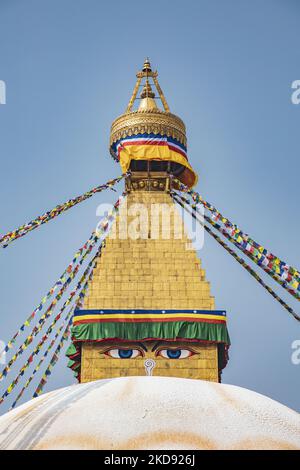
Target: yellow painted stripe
x=157, y=316
x=152, y=152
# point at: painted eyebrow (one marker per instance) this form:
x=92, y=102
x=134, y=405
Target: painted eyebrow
x=142, y=346
x=156, y=345
x=131, y=346
x=166, y=344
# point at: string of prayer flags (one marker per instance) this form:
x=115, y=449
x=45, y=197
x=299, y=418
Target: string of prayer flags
x=47, y=314
x=52, y=363
x=241, y=247
x=273, y=265
x=38, y=366
x=63, y=282
x=9, y=237
x=78, y=304
x=103, y=227
x=81, y=291
x=78, y=258
x=240, y=260
x=55, y=356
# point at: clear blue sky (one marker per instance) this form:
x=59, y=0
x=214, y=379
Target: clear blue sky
x=226, y=69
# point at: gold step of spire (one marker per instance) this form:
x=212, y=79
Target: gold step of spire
x=157, y=270
x=149, y=273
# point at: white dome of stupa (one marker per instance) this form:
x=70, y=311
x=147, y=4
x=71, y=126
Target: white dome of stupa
x=151, y=413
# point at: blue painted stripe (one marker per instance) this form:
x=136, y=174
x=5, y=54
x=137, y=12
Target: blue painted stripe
x=132, y=311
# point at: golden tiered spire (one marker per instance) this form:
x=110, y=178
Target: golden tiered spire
x=162, y=135
x=149, y=300
x=147, y=73
x=145, y=274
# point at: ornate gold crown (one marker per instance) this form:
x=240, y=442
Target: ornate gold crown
x=148, y=118
x=151, y=134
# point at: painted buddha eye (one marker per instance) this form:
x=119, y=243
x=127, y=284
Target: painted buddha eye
x=124, y=353
x=175, y=353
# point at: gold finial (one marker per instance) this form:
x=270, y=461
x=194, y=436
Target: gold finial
x=147, y=66
x=148, y=118
x=148, y=98
x=145, y=73
x=147, y=91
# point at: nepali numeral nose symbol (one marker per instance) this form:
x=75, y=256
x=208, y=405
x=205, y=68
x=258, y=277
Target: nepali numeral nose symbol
x=149, y=366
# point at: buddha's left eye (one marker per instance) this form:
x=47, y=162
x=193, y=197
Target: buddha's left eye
x=123, y=353
x=173, y=353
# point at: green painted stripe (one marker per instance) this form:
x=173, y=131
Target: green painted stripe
x=140, y=331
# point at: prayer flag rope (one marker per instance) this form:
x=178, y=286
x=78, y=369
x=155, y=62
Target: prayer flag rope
x=101, y=229
x=55, y=356
x=37, y=368
x=47, y=314
x=78, y=302
x=38, y=348
x=240, y=261
x=52, y=363
x=274, y=266
x=238, y=245
x=63, y=280
x=9, y=237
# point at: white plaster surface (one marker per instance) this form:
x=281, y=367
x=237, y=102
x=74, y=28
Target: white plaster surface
x=151, y=413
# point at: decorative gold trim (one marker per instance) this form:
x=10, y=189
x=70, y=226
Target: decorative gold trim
x=134, y=93
x=162, y=96
x=144, y=182
x=151, y=121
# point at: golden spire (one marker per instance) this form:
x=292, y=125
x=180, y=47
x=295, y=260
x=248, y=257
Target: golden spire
x=146, y=73
x=151, y=122
x=147, y=91
x=147, y=65
x=148, y=98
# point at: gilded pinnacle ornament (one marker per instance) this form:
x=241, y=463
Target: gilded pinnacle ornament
x=142, y=137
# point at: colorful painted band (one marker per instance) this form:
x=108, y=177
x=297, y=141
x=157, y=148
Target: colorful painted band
x=134, y=331
x=153, y=147
x=149, y=139
x=97, y=316
x=154, y=311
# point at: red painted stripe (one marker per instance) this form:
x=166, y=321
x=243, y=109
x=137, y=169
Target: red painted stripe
x=74, y=356
x=143, y=320
x=175, y=149
x=172, y=340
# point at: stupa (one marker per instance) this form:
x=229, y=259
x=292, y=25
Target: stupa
x=148, y=325
x=149, y=309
